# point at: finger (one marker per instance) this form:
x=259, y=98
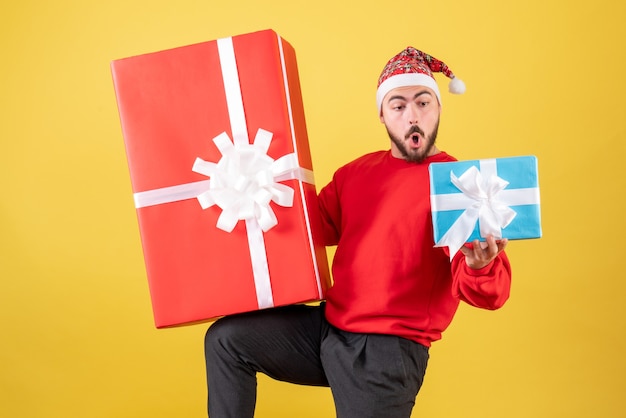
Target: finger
x=491, y=240
x=478, y=249
x=492, y=248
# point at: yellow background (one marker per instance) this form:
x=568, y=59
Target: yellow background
x=543, y=77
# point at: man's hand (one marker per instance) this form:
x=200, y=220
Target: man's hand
x=479, y=254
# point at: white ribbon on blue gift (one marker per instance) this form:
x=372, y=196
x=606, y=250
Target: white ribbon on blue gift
x=483, y=199
x=243, y=182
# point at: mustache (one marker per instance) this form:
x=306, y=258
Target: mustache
x=414, y=129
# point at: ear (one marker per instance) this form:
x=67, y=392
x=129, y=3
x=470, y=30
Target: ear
x=381, y=116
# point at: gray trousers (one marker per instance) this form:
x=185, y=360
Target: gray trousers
x=370, y=375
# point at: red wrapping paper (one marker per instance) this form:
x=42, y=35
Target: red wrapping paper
x=172, y=104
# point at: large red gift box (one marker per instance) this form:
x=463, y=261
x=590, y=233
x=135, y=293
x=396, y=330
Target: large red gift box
x=222, y=177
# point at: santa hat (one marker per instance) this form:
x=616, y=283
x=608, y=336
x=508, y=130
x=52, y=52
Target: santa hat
x=412, y=67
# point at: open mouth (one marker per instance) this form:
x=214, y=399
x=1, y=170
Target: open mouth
x=414, y=135
x=414, y=140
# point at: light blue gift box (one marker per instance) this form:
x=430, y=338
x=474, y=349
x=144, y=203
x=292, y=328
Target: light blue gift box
x=470, y=199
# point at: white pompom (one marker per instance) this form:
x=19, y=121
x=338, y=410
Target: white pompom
x=456, y=86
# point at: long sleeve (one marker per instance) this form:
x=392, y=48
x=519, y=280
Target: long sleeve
x=330, y=211
x=486, y=288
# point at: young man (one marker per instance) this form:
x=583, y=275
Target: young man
x=394, y=293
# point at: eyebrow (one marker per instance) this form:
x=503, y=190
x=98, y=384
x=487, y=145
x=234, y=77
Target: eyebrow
x=400, y=97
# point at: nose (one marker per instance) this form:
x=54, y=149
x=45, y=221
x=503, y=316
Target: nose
x=412, y=114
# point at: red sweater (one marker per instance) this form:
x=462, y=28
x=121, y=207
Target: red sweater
x=388, y=276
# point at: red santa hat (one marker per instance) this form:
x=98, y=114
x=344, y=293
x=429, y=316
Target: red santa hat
x=412, y=67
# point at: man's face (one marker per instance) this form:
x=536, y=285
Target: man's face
x=411, y=116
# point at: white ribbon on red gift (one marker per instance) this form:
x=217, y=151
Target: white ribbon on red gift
x=243, y=182
x=484, y=199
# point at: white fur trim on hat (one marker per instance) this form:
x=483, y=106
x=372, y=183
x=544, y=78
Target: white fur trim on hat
x=404, y=80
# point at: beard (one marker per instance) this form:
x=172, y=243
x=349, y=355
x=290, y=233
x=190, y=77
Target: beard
x=412, y=154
